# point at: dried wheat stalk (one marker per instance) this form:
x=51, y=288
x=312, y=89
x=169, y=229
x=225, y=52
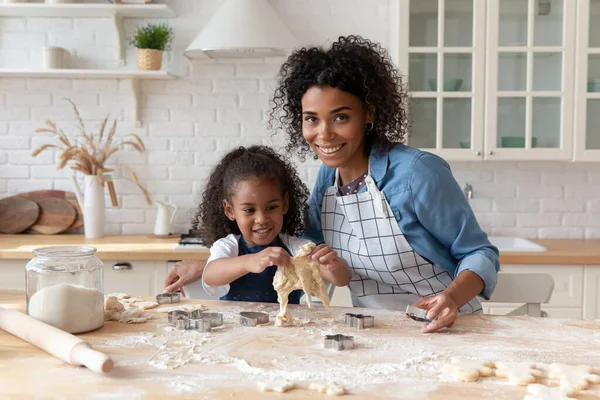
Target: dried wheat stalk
x=90, y=152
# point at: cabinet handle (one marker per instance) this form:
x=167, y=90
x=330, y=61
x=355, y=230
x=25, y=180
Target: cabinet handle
x=491, y=153
x=478, y=153
x=122, y=266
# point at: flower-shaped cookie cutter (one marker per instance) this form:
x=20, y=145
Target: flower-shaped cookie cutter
x=339, y=342
x=168, y=298
x=253, y=318
x=360, y=321
x=418, y=314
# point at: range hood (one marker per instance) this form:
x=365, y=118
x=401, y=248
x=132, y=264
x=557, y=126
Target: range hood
x=242, y=29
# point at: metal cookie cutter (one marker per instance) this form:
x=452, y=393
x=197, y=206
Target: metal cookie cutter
x=196, y=320
x=168, y=298
x=339, y=342
x=360, y=321
x=418, y=314
x=251, y=318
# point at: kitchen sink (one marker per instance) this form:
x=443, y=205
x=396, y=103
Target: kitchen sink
x=515, y=244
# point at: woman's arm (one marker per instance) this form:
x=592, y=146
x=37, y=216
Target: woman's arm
x=333, y=269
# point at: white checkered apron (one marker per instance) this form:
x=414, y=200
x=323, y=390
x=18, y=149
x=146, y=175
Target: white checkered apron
x=386, y=271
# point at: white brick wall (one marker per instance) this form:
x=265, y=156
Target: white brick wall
x=190, y=122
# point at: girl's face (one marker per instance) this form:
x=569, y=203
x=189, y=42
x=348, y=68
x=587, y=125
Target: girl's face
x=258, y=208
x=333, y=125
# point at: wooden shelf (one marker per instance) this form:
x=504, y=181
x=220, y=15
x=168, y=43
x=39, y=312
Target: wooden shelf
x=85, y=73
x=86, y=10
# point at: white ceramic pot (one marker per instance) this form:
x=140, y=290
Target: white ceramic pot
x=54, y=57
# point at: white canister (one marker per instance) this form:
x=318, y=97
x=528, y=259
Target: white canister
x=59, y=1
x=54, y=57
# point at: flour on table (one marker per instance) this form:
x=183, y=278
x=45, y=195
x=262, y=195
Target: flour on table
x=469, y=370
x=577, y=377
x=277, y=386
x=519, y=373
x=146, y=305
x=330, y=389
x=120, y=296
x=186, y=307
x=541, y=392
x=72, y=308
x=305, y=275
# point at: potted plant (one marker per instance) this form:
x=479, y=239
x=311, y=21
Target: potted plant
x=88, y=154
x=151, y=40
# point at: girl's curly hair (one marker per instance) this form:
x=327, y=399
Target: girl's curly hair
x=238, y=165
x=352, y=64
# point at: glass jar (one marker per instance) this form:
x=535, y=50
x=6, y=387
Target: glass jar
x=65, y=288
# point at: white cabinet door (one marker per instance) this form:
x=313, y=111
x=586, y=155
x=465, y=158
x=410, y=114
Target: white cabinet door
x=138, y=278
x=529, y=80
x=587, y=86
x=12, y=274
x=591, y=297
x=441, y=49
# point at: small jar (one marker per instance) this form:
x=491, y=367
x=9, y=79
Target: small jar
x=65, y=288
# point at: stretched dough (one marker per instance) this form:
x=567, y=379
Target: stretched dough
x=541, y=392
x=577, y=377
x=277, y=386
x=519, y=373
x=330, y=389
x=305, y=274
x=469, y=370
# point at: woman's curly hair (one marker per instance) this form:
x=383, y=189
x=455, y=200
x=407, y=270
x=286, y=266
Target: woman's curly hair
x=238, y=165
x=354, y=65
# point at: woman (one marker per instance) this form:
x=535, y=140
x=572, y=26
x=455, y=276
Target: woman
x=394, y=213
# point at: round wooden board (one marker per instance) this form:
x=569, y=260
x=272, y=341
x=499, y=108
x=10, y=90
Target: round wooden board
x=59, y=194
x=17, y=214
x=56, y=216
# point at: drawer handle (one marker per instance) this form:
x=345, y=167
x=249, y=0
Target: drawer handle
x=122, y=266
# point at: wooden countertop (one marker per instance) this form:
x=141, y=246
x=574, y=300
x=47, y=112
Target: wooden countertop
x=142, y=247
x=390, y=361
x=117, y=247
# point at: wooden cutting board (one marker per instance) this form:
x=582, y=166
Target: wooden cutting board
x=56, y=216
x=17, y=214
x=59, y=194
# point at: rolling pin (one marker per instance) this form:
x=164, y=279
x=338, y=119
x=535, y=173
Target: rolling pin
x=59, y=343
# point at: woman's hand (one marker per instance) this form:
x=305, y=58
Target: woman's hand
x=442, y=311
x=270, y=256
x=326, y=256
x=182, y=274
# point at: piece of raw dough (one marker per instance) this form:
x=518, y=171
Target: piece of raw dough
x=469, y=370
x=306, y=275
x=187, y=307
x=541, y=392
x=276, y=386
x=134, y=315
x=112, y=304
x=330, y=389
x=577, y=377
x=146, y=305
x=519, y=373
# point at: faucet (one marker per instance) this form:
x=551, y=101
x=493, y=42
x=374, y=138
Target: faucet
x=468, y=191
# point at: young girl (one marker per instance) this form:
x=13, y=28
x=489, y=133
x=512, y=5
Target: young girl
x=250, y=213
x=395, y=213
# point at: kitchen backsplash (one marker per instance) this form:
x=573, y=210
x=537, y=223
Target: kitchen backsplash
x=189, y=122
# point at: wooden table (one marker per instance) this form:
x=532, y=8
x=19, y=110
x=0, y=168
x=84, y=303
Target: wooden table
x=391, y=361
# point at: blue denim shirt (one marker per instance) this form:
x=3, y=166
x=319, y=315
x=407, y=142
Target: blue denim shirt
x=430, y=208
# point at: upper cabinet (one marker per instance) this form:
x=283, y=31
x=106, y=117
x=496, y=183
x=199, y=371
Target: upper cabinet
x=587, y=84
x=507, y=70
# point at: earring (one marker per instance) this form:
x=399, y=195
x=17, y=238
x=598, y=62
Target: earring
x=370, y=126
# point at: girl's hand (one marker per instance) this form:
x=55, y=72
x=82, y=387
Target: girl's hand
x=326, y=256
x=270, y=256
x=443, y=311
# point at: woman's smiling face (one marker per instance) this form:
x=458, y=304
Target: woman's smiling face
x=333, y=124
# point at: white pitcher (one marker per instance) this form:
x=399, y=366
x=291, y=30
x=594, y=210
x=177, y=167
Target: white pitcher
x=164, y=218
x=92, y=204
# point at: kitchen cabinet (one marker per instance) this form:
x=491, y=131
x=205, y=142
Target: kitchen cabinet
x=587, y=84
x=591, y=305
x=144, y=278
x=507, y=71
